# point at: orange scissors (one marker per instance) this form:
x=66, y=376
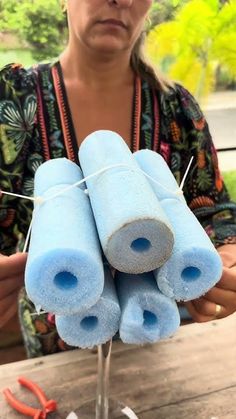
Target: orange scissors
x=47, y=405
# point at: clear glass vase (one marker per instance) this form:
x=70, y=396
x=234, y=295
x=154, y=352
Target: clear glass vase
x=104, y=407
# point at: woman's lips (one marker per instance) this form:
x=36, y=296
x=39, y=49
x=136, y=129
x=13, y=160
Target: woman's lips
x=113, y=22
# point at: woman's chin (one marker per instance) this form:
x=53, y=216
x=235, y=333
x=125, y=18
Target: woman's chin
x=109, y=46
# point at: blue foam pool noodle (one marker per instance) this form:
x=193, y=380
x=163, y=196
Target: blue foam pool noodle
x=96, y=325
x=64, y=271
x=134, y=232
x=146, y=314
x=194, y=265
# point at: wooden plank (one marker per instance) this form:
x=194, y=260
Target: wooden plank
x=216, y=405
x=199, y=362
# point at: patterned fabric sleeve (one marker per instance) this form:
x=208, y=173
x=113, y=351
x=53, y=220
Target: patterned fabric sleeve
x=17, y=118
x=21, y=153
x=204, y=188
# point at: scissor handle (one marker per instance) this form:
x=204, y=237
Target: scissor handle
x=22, y=407
x=48, y=405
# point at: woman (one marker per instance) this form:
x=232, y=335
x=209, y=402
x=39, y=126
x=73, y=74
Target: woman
x=100, y=81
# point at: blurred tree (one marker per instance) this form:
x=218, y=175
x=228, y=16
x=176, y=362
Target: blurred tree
x=7, y=8
x=191, y=46
x=164, y=10
x=39, y=22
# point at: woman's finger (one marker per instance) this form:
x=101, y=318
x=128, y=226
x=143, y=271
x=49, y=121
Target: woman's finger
x=209, y=309
x=223, y=298
x=196, y=315
x=228, y=279
x=9, y=285
x=9, y=314
x=12, y=265
x=227, y=253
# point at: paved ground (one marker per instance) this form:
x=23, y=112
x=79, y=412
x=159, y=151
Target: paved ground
x=220, y=111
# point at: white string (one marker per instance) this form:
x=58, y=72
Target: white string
x=74, y=185
x=40, y=200
x=177, y=192
x=28, y=234
x=19, y=196
x=38, y=313
x=29, y=230
x=186, y=174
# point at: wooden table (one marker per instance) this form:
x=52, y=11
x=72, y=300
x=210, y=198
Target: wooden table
x=190, y=376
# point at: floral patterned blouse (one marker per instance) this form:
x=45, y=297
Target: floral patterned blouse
x=36, y=125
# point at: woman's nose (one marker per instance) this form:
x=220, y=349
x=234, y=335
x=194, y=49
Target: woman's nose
x=121, y=3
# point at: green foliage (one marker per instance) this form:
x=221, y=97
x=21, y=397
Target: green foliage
x=7, y=10
x=40, y=23
x=230, y=181
x=191, y=46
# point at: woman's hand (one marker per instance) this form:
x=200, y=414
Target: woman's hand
x=220, y=301
x=12, y=269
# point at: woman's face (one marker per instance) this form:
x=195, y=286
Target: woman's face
x=107, y=26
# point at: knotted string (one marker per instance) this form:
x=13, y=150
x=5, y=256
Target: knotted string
x=104, y=169
x=39, y=199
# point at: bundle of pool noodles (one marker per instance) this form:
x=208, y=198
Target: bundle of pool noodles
x=134, y=232
x=64, y=271
x=147, y=315
x=194, y=265
x=95, y=325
